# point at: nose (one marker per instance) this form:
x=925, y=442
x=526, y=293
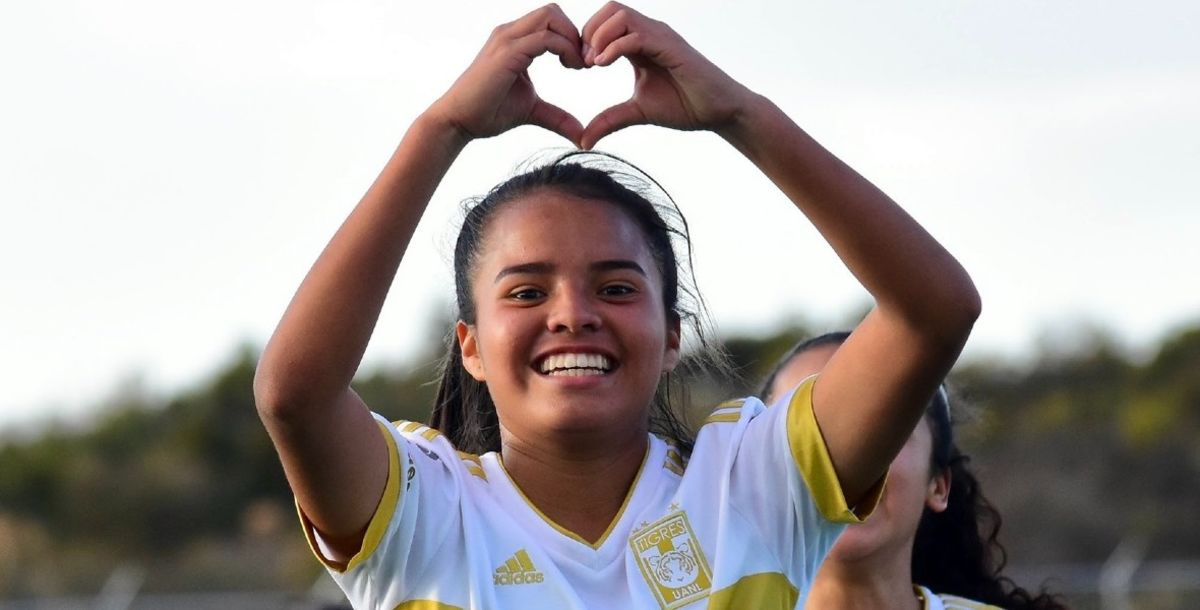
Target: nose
x=573, y=311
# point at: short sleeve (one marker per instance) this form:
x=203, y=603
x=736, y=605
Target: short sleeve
x=419, y=504
x=783, y=481
x=811, y=456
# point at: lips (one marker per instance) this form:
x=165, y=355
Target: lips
x=574, y=364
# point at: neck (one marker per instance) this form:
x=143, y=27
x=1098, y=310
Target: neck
x=883, y=582
x=578, y=489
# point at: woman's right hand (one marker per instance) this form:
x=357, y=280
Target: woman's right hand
x=495, y=94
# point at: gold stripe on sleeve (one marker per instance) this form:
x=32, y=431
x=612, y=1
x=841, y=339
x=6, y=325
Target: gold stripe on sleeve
x=723, y=418
x=736, y=403
x=387, y=504
x=379, y=521
x=812, y=458
x=425, y=604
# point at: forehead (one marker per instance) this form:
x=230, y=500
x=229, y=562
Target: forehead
x=548, y=225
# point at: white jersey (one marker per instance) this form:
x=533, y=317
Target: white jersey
x=743, y=524
x=933, y=601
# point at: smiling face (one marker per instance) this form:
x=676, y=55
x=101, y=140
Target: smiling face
x=911, y=488
x=570, y=332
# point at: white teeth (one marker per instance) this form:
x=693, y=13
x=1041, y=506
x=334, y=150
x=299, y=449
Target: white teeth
x=575, y=364
x=574, y=372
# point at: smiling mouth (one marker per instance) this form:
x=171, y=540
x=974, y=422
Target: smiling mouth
x=575, y=365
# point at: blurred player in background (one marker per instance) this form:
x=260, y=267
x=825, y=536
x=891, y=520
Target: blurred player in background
x=923, y=546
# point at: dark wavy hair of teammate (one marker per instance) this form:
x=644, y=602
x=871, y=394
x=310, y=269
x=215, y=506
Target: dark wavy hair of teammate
x=463, y=409
x=956, y=551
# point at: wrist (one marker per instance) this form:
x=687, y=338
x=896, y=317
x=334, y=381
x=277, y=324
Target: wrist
x=433, y=126
x=758, y=123
x=751, y=114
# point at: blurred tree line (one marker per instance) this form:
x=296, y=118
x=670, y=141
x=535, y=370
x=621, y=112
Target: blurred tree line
x=1078, y=448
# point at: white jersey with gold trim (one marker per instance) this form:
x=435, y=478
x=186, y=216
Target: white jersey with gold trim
x=934, y=601
x=743, y=524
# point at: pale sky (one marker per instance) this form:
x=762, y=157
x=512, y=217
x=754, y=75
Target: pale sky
x=169, y=171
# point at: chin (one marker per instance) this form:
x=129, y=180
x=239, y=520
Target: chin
x=858, y=542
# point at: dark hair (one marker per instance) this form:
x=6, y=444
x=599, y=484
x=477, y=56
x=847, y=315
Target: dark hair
x=956, y=551
x=833, y=338
x=464, y=410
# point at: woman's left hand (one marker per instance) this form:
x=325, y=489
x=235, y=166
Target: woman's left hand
x=674, y=85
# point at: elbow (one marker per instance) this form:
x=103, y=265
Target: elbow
x=270, y=394
x=961, y=309
x=279, y=393
x=970, y=305
x=945, y=315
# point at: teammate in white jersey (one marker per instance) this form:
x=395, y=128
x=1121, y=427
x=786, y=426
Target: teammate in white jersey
x=570, y=316
x=933, y=526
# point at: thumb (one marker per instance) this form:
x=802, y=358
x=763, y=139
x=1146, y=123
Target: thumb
x=612, y=119
x=549, y=116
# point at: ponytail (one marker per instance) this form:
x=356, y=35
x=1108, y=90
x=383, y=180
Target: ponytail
x=463, y=409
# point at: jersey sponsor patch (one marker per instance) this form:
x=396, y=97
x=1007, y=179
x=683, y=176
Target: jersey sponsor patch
x=517, y=570
x=672, y=561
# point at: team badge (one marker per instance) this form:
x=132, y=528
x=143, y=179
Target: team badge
x=672, y=561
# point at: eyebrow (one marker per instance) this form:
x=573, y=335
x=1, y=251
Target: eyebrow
x=543, y=268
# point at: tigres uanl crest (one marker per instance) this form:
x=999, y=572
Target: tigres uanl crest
x=672, y=561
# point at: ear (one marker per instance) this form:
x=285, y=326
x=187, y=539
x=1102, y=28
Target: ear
x=671, y=355
x=937, y=497
x=468, y=344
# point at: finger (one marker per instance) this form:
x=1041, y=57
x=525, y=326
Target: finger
x=549, y=116
x=601, y=16
x=548, y=18
x=616, y=26
x=560, y=23
x=545, y=41
x=612, y=119
x=629, y=45
x=622, y=23
x=623, y=37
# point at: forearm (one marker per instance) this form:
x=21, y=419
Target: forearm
x=317, y=347
x=906, y=271
x=874, y=389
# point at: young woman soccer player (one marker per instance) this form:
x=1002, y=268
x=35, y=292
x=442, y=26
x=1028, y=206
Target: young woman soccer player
x=925, y=535
x=570, y=317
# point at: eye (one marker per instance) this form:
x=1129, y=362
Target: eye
x=618, y=290
x=526, y=294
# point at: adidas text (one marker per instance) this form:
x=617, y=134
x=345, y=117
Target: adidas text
x=520, y=578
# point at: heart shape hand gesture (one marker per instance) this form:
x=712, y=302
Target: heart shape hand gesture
x=674, y=85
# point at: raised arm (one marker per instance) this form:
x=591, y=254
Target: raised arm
x=873, y=391
x=333, y=455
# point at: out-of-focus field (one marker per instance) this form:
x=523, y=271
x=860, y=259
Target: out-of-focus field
x=1092, y=457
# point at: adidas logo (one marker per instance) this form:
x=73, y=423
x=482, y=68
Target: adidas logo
x=517, y=570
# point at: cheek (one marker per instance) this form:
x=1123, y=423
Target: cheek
x=909, y=476
x=499, y=334
x=509, y=337
x=650, y=332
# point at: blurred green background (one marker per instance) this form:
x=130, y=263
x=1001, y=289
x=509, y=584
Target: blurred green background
x=1084, y=451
